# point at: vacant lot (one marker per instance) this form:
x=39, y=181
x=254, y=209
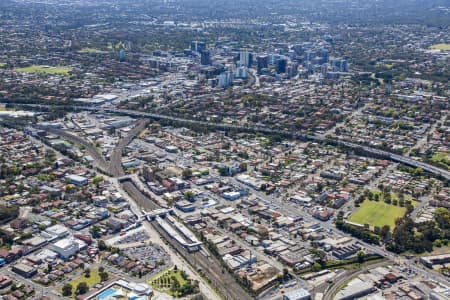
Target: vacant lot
x=45, y=70
x=377, y=214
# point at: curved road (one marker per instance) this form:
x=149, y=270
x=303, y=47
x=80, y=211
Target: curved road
x=220, y=279
x=331, y=292
x=98, y=158
x=115, y=165
x=316, y=137
x=209, y=265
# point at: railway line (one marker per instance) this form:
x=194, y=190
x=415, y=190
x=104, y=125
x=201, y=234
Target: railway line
x=368, y=150
x=210, y=266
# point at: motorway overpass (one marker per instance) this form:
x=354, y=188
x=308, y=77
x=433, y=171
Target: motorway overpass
x=317, y=138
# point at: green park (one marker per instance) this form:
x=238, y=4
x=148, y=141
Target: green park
x=379, y=213
x=59, y=70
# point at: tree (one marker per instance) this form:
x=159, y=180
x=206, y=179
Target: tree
x=223, y=172
x=360, y=255
x=7, y=213
x=103, y=275
x=316, y=267
x=385, y=231
x=187, y=289
x=97, y=179
x=102, y=245
x=418, y=171
x=82, y=288
x=87, y=273
x=377, y=230
x=189, y=195
x=67, y=290
x=409, y=208
x=187, y=173
x=95, y=230
x=243, y=167
x=387, y=198
x=175, y=284
x=319, y=255
x=263, y=233
x=442, y=217
x=437, y=243
x=285, y=274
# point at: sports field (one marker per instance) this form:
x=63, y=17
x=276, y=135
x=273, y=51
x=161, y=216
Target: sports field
x=45, y=69
x=377, y=214
x=440, y=47
x=90, y=50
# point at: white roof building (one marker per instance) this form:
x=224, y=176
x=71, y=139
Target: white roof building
x=56, y=231
x=66, y=247
x=298, y=294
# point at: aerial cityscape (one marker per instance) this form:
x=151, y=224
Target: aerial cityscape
x=224, y=150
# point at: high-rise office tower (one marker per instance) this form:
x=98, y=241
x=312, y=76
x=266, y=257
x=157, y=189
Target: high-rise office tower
x=324, y=55
x=198, y=46
x=262, y=62
x=308, y=56
x=205, y=58
x=245, y=59
x=226, y=79
x=280, y=65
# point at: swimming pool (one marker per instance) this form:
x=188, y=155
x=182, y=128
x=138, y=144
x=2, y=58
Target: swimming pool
x=105, y=294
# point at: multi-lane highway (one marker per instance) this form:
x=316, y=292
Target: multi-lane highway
x=146, y=202
x=317, y=138
x=297, y=135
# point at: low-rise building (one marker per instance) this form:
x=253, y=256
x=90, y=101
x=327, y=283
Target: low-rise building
x=77, y=180
x=355, y=289
x=66, y=248
x=432, y=260
x=24, y=270
x=298, y=294
x=56, y=231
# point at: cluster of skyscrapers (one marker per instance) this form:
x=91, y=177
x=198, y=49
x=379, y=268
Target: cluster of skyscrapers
x=284, y=62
